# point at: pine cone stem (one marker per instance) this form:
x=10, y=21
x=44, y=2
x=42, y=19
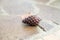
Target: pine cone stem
x=42, y=28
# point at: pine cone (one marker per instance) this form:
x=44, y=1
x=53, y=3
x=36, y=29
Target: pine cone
x=31, y=20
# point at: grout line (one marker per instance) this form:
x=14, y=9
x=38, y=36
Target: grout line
x=48, y=3
x=44, y=4
x=4, y=12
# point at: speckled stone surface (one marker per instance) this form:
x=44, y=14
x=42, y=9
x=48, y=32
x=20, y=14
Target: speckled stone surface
x=11, y=27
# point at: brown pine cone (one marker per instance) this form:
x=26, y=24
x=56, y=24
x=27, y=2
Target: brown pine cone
x=31, y=20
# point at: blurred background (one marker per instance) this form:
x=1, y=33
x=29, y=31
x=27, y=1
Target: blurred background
x=45, y=9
